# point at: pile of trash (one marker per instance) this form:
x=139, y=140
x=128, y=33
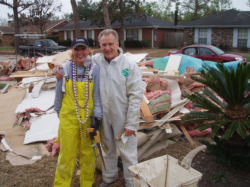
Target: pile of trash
x=29, y=124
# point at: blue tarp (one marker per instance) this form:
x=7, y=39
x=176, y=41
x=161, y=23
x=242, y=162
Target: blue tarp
x=187, y=61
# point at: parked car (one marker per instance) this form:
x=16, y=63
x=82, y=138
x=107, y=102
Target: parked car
x=39, y=48
x=209, y=53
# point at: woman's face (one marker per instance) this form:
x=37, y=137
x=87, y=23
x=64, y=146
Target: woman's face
x=80, y=53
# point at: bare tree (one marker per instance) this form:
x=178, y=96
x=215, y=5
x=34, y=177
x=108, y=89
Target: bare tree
x=40, y=14
x=3, y=21
x=76, y=18
x=106, y=14
x=22, y=4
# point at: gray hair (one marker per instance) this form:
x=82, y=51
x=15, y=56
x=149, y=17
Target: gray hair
x=108, y=32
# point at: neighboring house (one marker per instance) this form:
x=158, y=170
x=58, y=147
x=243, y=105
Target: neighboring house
x=230, y=27
x=139, y=29
x=7, y=36
x=7, y=32
x=49, y=28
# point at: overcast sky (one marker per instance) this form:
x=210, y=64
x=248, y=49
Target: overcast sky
x=239, y=4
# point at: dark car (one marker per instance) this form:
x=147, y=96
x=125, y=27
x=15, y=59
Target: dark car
x=209, y=53
x=41, y=47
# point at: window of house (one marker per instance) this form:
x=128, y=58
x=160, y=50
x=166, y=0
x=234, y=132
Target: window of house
x=242, y=37
x=68, y=35
x=202, y=36
x=132, y=34
x=89, y=33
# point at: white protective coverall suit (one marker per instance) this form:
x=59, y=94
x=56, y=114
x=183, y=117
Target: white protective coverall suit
x=121, y=96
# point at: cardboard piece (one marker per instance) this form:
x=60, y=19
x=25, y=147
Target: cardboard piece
x=43, y=129
x=8, y=104
x=15, y=137
x=16, y=160
x=136, y=57
x=62, y=57
x=45, y=59
x=43, y=102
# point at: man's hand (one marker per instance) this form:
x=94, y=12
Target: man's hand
x=129, y=132
x=59, y=75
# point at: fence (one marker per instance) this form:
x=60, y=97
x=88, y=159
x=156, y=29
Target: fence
x=173, y=39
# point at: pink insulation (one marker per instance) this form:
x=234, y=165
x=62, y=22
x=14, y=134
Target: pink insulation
x=152, y=95
x=52, y=147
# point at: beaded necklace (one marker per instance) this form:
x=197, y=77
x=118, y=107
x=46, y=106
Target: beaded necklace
x=86, y=93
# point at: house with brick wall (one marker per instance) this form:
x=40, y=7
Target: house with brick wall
x=138, y=29
x=231, y=27
x=7, y=32
x=7, y=36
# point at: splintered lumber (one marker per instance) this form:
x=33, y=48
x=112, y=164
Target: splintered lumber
x=148, y=117
x=150, y=70
x=187, y=135
x=35, y=73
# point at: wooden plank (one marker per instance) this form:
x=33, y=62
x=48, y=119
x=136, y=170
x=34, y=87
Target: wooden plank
x=174, y=62
x=152, y=124
x=36, y=73
x=150, y=70
x=187, y=135
x=146, y=112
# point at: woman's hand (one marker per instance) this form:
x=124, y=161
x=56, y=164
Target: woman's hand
x=58, y=74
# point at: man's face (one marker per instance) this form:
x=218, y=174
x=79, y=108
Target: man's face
x=109, y=46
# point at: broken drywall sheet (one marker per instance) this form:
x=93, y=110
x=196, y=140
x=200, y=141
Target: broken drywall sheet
x=5, y=145
x=15, y=137
x=174, y=62
x=136, y=57
x=43, y=102
x=37, y=88
x=41, y=67
x=36, y=79
x=16, y=160
x=2, y=147
x=8, y=103
x=43, y=129
x=62, y=57
x=176, y=91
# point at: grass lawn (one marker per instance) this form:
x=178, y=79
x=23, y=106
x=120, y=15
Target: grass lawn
x=7, y=47
x=248, y=59
x=2, y=86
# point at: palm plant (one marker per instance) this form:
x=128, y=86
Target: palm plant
x=226, y=101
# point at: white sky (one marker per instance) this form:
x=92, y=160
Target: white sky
x=239, y=4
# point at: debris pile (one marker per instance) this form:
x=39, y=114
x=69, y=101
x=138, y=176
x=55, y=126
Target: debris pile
x=28, y=119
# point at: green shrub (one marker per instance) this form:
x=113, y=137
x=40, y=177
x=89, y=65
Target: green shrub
x=191, y=42
x=54, y=38
x=64, y=42
x=214, y=45
x=163, y=43
x=146, y=43
x=91, y=42
x=226, y=47
x=133, y=43
x=244, y=49
x=232, y=157
x=221, y=46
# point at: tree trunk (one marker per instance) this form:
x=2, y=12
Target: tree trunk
x=17, y=28
x=122, y=34
x=106, y=14
x=76, y=18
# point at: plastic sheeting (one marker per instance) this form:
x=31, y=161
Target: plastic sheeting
x=187, y=61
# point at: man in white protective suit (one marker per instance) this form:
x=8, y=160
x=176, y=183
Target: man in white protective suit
x=121, y=96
